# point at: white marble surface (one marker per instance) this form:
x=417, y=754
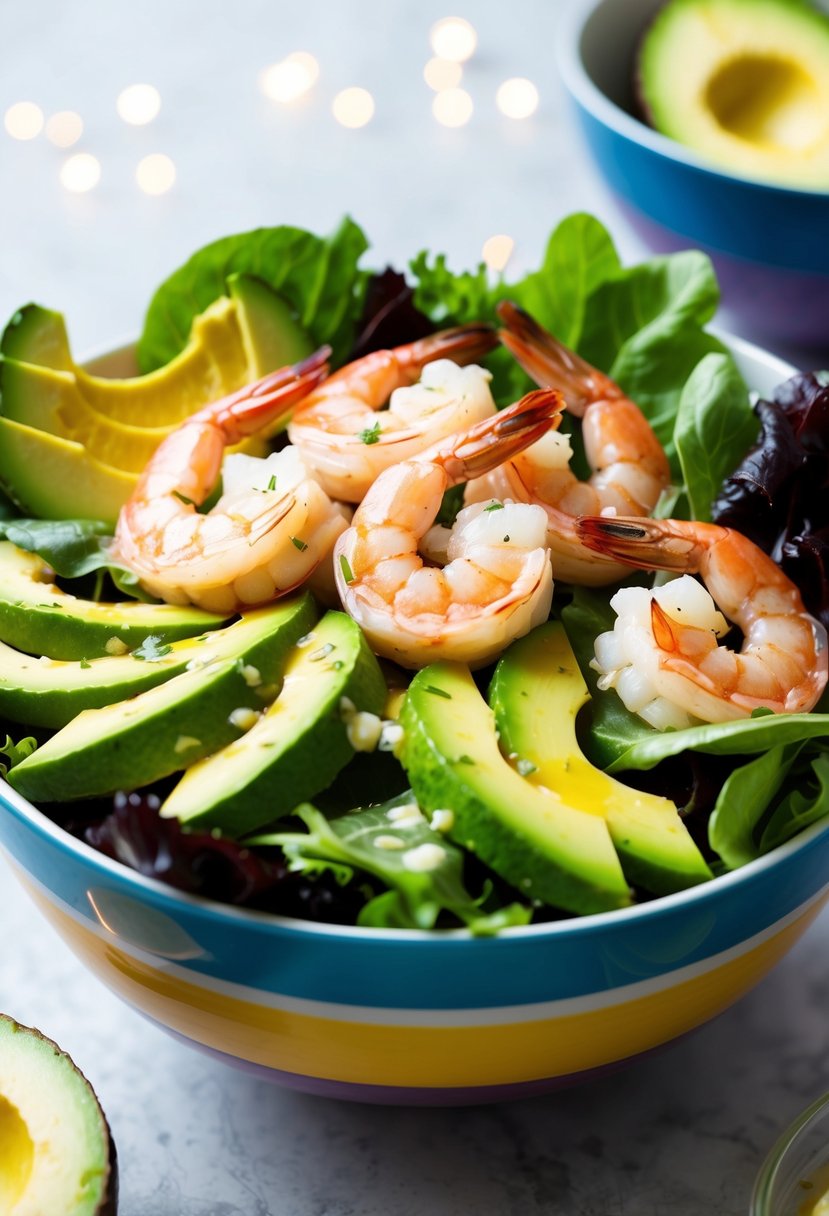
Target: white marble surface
x=683, y=1132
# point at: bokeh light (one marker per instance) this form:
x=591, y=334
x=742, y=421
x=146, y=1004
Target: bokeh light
x=155, y=174
x=353, y=107
x=442, y=74
x=291, y=77
x=24, y=120
x=453, y=38
x=497, y=251
x=452, y=107
x=64, y=128
x=138, y=104
x=517, y=98
x=80, y=173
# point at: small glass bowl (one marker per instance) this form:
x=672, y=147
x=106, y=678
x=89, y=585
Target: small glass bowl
x=795, y=1175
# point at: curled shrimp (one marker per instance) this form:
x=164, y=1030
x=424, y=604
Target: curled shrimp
x=630, y=468
x=255, y=544
x=498, y=582
x=662, y=656
x=347, y=439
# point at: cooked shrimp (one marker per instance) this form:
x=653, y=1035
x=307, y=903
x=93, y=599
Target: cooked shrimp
x=630, y=468
x=347, y=439
x=662, y=656
x=498, y=582
x=255, y=544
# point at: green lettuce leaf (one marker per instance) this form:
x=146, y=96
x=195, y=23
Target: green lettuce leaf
x=12, y=753
x=73, y=548
x=579, y=258
x=415, y=897
x=801, y=807
x=743, y=737
x=744, y=800
x=317, y=276
x=715, y=426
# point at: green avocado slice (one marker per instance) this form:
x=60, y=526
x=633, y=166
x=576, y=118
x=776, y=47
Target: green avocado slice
x=531, y=837
x=37, y=335
x=51, y=692
x=271, y=335
x=536, y=693
x=55, y=478
x=298, y=745
x=56, y=1152
x=38, y=617
x=163, y=730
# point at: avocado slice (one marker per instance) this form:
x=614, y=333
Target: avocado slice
x=536, y=693
x=212, y=365
x=55, y=478
x=271, y=335
x=744, y=82
x=37, y=335
x=298, y=745
x=56, y=1151
x=165, y=729
x=38, y=617
x=51, y=692
x=532, y=837
x=51, y=401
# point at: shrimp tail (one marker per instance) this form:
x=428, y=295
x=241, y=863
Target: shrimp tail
x=649, y=544
x=259, y=405
x=502, y=436
x=463, y=344
x=549, y=361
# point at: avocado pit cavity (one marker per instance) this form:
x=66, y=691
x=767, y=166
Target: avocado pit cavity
x=767, y=101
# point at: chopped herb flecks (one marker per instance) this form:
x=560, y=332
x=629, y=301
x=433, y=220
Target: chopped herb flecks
x=495, y=506
x=346, y=569
x=188, y=502
x=298, y=544
x=371, y=434
x=438, y=692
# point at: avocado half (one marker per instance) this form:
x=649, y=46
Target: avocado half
x=57, y=1156
x=744, y=82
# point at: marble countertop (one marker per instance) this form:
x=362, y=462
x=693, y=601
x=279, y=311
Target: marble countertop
x=682, y=1132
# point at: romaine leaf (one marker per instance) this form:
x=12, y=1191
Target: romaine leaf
x=715, y=426
x=351, y=840
x=317, y=276
x=744, y=800
x=12, y=753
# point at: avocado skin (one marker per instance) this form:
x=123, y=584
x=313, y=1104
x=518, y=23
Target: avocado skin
x=107, y=1204
x=282, y=769
x=484, y=806
x=133, y=743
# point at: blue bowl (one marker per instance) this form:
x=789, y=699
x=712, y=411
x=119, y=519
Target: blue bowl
x=769, y=243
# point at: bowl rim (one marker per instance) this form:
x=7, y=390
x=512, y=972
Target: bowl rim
x=12, y=802
x=588, y=94
x=767, y=1176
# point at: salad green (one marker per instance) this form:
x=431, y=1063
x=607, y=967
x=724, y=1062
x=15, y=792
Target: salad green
x=644, y=326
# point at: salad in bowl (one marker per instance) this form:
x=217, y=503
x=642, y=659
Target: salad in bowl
x=415, y=613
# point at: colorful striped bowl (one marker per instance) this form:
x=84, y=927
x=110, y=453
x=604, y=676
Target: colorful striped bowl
x=411, y=1017
x=767, y=241
x=422, y=1018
